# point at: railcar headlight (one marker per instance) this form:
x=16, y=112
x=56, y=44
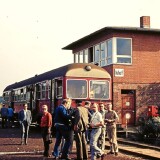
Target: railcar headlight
x=88, y=68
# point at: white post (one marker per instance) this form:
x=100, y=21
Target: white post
x=126, y=129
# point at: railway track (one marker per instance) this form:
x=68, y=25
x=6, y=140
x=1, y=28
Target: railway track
x=145, y=151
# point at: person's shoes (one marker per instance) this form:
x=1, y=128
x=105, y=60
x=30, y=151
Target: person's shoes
x=116, y=153
x=55, y=158
x=103, y=156
x=22, y=143
x=110, y=153
x=48, y=156
x=63, y=158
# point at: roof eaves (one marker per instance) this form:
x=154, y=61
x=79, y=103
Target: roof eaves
x=106, y=29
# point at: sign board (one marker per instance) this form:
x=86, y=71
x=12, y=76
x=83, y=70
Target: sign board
x=119, y=72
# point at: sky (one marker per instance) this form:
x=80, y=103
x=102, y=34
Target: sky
x=33, y=32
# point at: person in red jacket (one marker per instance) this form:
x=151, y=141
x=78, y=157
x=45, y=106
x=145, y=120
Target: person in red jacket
x=46, y=124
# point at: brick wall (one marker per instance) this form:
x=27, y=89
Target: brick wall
x=145, y=66
x=145, y=95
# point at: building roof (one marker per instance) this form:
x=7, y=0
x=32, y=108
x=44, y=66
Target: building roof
x=106, y=30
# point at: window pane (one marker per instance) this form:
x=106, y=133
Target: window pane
x=103, y=63
x=43, y=94
x=96, y=53
x=81, y=57
x=76, y=58
x=43, y=86
x=86, y=56
x=109, y=48
x=99, y=89
x=109, y=61
x=102, y=51
x=38, y=91
x=123, y=60
x=123, y=46
x=76, y=88
x=43, y=90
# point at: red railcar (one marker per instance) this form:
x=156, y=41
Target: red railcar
x=78, y=81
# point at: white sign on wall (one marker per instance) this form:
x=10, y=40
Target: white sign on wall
x=119, y=72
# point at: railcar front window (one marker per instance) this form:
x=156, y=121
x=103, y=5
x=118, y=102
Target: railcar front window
x=76, y=89
x=99, y=89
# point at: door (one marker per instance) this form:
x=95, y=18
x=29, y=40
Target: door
x=128, y=109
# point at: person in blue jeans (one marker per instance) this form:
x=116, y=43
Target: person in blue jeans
x=96, y=124
x=10, y=116
x=63, y=129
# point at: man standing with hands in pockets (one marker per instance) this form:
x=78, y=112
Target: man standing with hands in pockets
x=25, y=119
x=111, y=118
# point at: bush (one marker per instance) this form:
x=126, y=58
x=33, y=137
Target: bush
x=149, y=128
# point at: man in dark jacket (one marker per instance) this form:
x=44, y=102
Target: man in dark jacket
x=4, y=112
x=80, y=127
x=63, y=129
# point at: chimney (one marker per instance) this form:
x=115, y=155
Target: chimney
x=145, y=22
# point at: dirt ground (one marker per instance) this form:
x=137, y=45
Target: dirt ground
x=10, y=148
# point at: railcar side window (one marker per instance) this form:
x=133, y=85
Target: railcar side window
x=38, y=91
x=6, y=96
x=24, y=93
x=21, y=94
x=76, y=88
x=99, y=89
x=43, y=90
x=59, y=89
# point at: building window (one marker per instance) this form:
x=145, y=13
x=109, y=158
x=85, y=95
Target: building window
x=76, y=58
x=123, y=50
x=80, y=57
x=109, y=52
x=116, y=50
x=86, y=56
x=97, y=54
x=103, y=54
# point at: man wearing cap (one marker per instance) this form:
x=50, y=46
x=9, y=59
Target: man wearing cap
x=80, y=127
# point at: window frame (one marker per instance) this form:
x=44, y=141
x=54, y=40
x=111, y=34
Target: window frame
x=109, y=59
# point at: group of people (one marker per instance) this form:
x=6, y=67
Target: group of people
x=86, y=124
x=7, y=115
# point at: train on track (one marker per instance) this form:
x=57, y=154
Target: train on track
x=78, y=81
